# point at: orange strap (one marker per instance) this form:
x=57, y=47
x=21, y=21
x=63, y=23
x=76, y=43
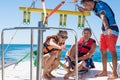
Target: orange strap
x=50, y=49
x=73, y=2
x=46, y=50
x=55, y=9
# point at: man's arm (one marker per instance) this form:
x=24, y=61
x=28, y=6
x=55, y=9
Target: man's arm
x=105, y=23
x=104, y=20
x=81, y=9
x=89, y=54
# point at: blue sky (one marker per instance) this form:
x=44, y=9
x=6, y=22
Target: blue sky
x=11, y=16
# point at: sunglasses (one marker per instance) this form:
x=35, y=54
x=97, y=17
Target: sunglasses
x=64, y=37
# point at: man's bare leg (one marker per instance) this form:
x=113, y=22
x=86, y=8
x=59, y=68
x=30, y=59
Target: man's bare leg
x=104, y=64
x=80, y=66
x=114, y=63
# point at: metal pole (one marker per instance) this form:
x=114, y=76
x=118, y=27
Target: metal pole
x=31, y=54
x=40, y=29
x=2, y=63
x=76, y=45
x=39, y=53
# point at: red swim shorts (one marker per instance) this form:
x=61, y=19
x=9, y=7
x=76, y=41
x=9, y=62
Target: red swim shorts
x=108, y=42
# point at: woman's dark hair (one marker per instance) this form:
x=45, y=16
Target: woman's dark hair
x=62, y=32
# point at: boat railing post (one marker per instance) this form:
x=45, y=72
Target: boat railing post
x=31, y=53
x=76, y=53
x=2, y=63
x=40, y=29
x=76, y=67
x=39, y=53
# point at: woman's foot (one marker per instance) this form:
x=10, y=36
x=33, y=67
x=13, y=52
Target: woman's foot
x=46, y=77
x=50, y=75
x=71, y=73
x=66, y=68
x=66, y=76
x=101, y=74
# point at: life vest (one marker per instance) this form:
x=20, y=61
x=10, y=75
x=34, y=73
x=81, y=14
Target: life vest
x=83, y=48
x=48, y=48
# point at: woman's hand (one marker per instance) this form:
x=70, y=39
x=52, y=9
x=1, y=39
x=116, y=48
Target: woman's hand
x=62, y=47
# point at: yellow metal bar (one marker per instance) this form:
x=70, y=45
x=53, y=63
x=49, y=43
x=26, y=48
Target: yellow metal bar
x=65, y=19
x=83, y=21
x=42, y=16
x=28, y=20
x=79, y=21
x=61, y=16
x=67, y=12
x=47, y=19
x=24, y=16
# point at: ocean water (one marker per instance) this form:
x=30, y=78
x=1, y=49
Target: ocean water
x=15, y=52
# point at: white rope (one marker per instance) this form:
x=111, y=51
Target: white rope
x=93, y=34
x=32, y=5
x=96, y=39
x=92, y=31
x=11, y=40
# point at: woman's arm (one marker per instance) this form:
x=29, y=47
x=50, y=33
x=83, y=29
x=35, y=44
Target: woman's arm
x=52, y=42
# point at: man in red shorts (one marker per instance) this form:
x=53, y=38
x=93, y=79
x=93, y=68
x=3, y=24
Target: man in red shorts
x=109, y=34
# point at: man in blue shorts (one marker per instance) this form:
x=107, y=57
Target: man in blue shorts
x=109, y=33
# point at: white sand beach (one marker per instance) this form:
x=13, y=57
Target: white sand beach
x=22, y=72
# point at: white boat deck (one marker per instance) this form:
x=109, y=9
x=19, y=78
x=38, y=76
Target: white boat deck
x=22, y=72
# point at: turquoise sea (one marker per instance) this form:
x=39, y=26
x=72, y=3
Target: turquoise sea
x=15, y=52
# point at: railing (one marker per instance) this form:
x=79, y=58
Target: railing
x=40, y=29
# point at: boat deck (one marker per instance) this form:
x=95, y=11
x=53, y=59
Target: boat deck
x=22, y=72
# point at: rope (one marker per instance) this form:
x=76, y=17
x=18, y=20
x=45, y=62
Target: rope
x=73, y=2
x=97, y=40
x=44, y=9
x=55, y=9
x=11, y=39
x=88, y=25
x=32, y=5
x=93, y=34
x=92, y=31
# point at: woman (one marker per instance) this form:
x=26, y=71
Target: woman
x=52, y=53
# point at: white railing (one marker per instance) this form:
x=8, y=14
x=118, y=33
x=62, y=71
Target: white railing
x=40, y=29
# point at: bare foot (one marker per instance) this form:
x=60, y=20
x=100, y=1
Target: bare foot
x=66, y=76
x=67, y=68
x=46, y=77
x=113, y=76
x=101, y=74
x=50, y=75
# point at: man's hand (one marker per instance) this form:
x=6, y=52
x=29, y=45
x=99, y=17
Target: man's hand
x=81, y=9
x=72, y=58
x=108, y=31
